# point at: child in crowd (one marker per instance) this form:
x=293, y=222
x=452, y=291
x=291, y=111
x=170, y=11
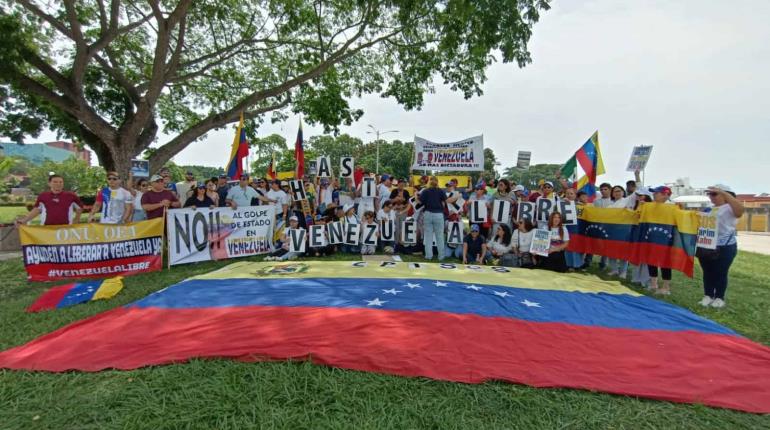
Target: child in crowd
x=474, y=246
x=368, y=220
x=283, y=253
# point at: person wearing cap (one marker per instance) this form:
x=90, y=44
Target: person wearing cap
x=241, y=194
x=158, y=198
x=480, y=194
x=474, y=246
x=433, y=199
x=200, y=199
x=187, y=187
x=660, y=195
x=454, y=201
x=222, y=189
x=519, y=192
x=283, y=253
x=116, y=203
x=56, y=205
x=546, y=190
x=168, y=183
x=716, y=264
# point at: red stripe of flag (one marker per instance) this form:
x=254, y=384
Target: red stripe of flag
x=51, y=298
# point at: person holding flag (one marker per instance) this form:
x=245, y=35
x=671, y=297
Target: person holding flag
x=239, y=151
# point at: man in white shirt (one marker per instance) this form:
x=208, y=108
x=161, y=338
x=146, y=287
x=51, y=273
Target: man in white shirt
x=115, y=202
x=186, y=188
x=383, y=190
x=241, y=195
x=279, y=198
x=605, y=200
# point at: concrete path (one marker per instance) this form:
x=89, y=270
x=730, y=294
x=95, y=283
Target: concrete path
x=754, y=242
x=9, y=255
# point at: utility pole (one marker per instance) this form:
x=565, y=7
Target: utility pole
x=378, y=133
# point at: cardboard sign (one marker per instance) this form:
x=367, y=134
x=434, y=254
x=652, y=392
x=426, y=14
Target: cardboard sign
x=346, y=167
x=455, y=233
x=297, y=238
x=568, y=211
x=545, y=207
x=418, y=207
x=457, y=205
x=501, y=211
x=336, y=233
x=317, y=238
x=324, y=167
x=541, y=242
x=522, y=160
x=140, y=168
x=527, y=212
x=708, y=231
x=352, y=233
x=368, y=187
x=478, y=212
x=387, y=230
x=297, y=190
x=370, y=234
x=640, y=155
x=409, y=232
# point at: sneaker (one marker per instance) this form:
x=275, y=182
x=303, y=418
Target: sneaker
x=663, y=292
x=706, y=301
x=623, y=275
x=613, y=273
x=718, y=303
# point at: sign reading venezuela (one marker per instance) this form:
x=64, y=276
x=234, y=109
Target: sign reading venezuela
x=91, y=250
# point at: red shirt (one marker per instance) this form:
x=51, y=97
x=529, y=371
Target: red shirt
x=57, y=206
x=153, y=197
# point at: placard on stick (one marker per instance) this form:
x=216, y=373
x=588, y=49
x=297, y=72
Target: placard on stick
x=640, y=155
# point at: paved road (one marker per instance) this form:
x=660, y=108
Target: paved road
x=754, y=242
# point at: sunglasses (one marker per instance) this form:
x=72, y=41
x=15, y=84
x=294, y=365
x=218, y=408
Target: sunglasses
x=547, y=186
x=112, y=178
x=711, y=194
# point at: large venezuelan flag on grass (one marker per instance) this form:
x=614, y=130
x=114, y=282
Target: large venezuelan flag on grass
x=657, y=234
x=458, y=323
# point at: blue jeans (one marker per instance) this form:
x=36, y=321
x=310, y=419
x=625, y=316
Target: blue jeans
x=456, y=252
x=715, y=271
x=433, y=223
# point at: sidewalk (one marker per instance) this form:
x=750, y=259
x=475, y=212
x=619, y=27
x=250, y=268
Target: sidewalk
x=9, y=255
x=754, y=242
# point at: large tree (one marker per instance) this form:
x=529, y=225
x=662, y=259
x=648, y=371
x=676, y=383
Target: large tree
x=113, y=73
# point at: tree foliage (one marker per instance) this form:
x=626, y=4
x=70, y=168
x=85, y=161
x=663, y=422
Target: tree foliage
x=113, y=74
x=530, y=177
x=78, y=176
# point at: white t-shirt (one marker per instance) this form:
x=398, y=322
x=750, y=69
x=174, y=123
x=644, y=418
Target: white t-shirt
x=114, y=204
x=726, y=224
x=555, y=234
x=601, y=202
x=383, y=216
x=457, y=206
x=522, y=241
x=138, y=200
x=383, y=192
x=281, y=198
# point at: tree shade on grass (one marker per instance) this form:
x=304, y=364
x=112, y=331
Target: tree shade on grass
x=229, y=394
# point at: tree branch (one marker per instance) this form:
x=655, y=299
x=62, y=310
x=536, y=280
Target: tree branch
x=46, y=17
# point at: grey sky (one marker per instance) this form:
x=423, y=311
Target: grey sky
x=690, y=77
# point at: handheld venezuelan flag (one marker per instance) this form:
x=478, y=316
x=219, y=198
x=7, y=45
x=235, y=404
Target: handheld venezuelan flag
x=299, y=154
x=271, y=168
x=238, y=152
x=443, y=321
x=76, y=293
x=589, y=158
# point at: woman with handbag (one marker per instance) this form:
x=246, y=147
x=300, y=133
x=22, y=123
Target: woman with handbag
x=716, y=264
x=521, y=241
x=499, y=247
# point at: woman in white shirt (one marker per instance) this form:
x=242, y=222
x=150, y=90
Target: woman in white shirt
x=717, y=266
x=521, y=241
x=617, y=266
x=499, y=245
x=559, y=241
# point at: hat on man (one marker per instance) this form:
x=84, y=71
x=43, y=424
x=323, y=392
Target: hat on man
x=548, y=183
x=284, y=183
x=201, y=185
x=347, y=207
x=480, y=187
x=385, y=177
x=189, y=173
x=293, y=218
x=223, y=176
x=519, y=188
x=156, y=178
x=475, y=227
x=661, y=189
x=723, y=187
x=245, y=176
x=643, y=192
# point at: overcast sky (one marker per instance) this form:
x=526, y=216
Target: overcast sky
x=691, y=77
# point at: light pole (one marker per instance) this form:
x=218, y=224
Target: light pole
x=378, y=133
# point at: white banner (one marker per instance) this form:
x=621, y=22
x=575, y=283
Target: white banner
x=204, y=234
x=466, y=155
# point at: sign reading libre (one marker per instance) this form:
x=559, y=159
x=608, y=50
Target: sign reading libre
x=91, y=250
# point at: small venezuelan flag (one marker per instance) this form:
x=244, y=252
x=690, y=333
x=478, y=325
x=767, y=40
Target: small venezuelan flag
x=75, y=293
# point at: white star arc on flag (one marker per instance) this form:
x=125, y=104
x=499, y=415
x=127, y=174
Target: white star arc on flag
x=375, y=302
x=529, y=304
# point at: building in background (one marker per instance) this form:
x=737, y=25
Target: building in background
x=757, y=215
x=37, y=153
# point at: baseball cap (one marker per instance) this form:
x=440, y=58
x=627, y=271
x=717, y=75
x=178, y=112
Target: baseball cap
x=385, y=177
x=223, y=176
x=643, y=192
x=156, y=178
x=518, y=188
x=324, y=181
x=475, y=227
x=347, y=207
x=319, y=217
x=189, y=173
x=284, y=183
x=661, y=189
x=723, y=187
x=276, y=181
x=201, y=185
x=293, y=218
x=548, y=183
x=480, y=187
x=245, y=176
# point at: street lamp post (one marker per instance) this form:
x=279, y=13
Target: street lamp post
x=378, y=133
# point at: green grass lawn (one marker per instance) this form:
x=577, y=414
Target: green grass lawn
x=226, y=394
x=8, y=214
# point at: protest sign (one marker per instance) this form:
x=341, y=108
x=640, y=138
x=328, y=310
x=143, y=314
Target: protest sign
x=501, y=211
x=478, y=212
x=708, y=230
x=568, y=211
x=297, y=238
x=346, y=167
x=455, y=233
x=544, y=209
x=417, y=206
x=297, y=190
x=317, y=238
x=368, y=187
x=203, y=234
x=387, y=230
x=541, y=242
x=336, y=233
x=522, y=160
x=457, y=205
x=409, y=232
x=324, y=169
x=526, y=212
x=54, y=252
x=640, y=155
x=464, y=155
x=369, y=234
x=352, y=233
x=140, y=168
